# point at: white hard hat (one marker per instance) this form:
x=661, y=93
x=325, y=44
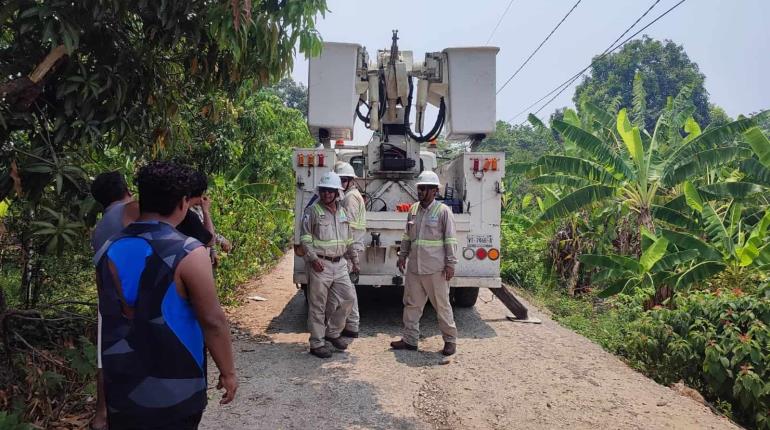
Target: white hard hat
x=428, y=177
x=330, y=180
x=344, y=169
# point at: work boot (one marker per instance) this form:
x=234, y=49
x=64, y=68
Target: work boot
x=400, y=344
x=449, y=348
x=337, y=342
x=321, y=352
x=350, y=333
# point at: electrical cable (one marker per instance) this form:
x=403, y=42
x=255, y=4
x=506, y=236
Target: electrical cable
x=538, y=47
x=499, y=21
x=607, y=51
x=564, y=85
x=437, y=126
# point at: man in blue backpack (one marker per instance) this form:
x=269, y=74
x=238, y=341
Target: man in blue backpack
x=159, y=306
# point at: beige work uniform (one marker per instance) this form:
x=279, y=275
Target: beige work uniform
x=326, y=237
x=355, y=207
x=430, y=245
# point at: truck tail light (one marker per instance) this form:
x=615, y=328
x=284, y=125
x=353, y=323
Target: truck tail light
x=310, y=160
x=493, y=254
x=320, y=160
x=301, y=160
x=468, y=253
x=481, y=253
x=487, y=164
x=494, y=164
x=475, y=164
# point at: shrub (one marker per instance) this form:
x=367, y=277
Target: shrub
x=259, y=231
x=716, y=341
x=522, y=256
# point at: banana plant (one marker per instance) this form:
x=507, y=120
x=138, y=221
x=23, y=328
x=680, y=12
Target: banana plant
x=654, y=268
x=732, y=243
x=615, y=160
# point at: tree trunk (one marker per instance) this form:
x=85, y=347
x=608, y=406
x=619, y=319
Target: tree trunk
x=27, y=273
x=645, y=220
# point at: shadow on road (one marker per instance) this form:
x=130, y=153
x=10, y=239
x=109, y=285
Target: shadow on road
x=381, y=313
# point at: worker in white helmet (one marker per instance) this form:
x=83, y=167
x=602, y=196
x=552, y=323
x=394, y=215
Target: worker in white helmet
x=355, y=206
x=428, y=256
x=326, y=240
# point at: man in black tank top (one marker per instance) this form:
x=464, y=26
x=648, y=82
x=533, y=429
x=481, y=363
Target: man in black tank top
x=159, y=306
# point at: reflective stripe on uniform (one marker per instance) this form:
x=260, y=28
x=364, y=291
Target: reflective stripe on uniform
x=306, y=238
x=427, y=242
x=331, y=243
x=436, y=209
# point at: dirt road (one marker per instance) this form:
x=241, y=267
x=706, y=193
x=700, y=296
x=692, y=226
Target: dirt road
x=504, y=376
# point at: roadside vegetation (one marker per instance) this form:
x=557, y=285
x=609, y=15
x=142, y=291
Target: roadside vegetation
x=98, y=86
x=641, y=221
x=639, y=218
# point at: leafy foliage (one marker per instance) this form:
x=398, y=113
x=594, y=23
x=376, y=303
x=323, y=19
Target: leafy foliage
x=643, y=74
x=717, y=342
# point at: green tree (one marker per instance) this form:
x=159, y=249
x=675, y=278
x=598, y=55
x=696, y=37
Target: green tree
x=519, y=142
x=92, y=85
x=90, y=75
x=661, y=68
x=293, y=94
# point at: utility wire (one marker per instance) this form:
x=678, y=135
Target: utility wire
x=607, y=51
x=538, y=47
x=499, y=21
x=564, y=85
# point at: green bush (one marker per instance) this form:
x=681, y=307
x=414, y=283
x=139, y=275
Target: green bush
x=717, y=342
x=259, y=231
x=522, y=256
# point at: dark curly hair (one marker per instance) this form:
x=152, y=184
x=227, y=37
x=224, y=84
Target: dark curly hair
x=109, y=187
x=199, y=184
x=162, y=185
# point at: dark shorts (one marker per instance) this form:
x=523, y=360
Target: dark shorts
x=189, y=423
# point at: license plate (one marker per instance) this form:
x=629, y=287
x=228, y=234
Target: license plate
x=479, y=240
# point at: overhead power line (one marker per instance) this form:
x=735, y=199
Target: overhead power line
x=538, y=47
x=564, y=85
x=499, y=21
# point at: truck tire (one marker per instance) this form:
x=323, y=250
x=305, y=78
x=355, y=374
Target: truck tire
x=465, y=297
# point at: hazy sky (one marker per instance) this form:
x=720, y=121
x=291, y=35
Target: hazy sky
x=729, y=40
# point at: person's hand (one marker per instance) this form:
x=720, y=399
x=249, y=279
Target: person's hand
x=226, y=245
x=401, y=264
x=230, y=384
x=449, y=271
x=206, y=203
x=355, y=268
x=317, y=265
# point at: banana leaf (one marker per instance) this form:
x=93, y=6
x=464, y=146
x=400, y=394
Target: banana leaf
x=593, y=145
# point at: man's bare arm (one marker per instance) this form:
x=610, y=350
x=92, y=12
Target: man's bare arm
x=197, y=280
